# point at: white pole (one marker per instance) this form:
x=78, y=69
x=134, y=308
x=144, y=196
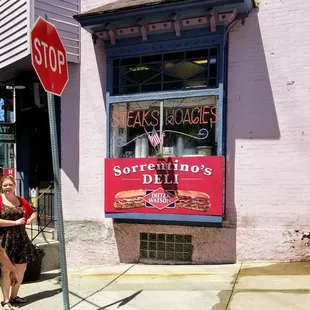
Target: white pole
x=14, y=105
x=14, y=120
x=161, y=123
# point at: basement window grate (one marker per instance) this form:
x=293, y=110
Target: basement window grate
x=168, y=247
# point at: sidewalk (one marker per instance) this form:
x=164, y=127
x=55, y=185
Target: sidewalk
x=248, y=286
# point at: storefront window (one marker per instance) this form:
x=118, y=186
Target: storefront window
x=6, y=106
x=163, y=72
x=6, y=156
x=189, y=128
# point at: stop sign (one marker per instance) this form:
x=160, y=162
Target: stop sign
x=49, y=57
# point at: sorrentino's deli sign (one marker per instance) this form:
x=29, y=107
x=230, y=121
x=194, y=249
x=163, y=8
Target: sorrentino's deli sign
x=172, y=185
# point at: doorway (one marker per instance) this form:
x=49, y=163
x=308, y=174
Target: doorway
x=34, y=155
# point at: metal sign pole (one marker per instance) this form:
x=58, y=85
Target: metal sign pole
x=58, y=200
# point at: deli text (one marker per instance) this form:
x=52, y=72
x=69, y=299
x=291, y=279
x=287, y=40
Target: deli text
x=161, y=178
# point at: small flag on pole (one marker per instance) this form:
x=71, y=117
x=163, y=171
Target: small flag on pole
x=155, y=137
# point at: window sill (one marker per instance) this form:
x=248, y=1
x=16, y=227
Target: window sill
x=176, y=219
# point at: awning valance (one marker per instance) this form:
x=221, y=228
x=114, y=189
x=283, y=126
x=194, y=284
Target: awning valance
x=132, y=18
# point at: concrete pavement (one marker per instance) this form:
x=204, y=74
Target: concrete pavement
x=254, y=286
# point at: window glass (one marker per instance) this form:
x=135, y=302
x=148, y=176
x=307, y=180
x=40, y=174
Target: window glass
x=170, y=71
x=189, y=128
x=6, y=156
x=7, y=114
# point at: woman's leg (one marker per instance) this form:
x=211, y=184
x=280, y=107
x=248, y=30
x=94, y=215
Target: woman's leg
x=5, y=283
x=20, y=270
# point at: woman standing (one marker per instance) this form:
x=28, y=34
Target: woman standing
x=15, y=212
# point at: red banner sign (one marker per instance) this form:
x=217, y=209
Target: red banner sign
x=9, y=172
x=174, y=185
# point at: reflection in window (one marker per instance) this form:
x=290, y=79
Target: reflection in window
x=6, y=156
x=6, y=106
x=171, y=71
x=2, y=115
x=189, y=128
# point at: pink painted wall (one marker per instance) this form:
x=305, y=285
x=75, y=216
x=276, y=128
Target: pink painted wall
x=268, y=131
x=268, y=145
x=89, y=236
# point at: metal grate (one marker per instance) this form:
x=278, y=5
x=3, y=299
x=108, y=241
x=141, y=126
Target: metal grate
x=167, y=247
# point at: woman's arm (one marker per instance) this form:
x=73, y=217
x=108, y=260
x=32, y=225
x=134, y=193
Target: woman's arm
x=9, y=223
x=31, y=214
x=32, y=218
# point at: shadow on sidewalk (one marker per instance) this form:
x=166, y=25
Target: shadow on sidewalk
x=43, y=277
x=48, y=276
x=121, y=302
x=39, y=296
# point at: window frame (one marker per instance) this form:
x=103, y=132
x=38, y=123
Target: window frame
x=188, y=42
x=184, y=44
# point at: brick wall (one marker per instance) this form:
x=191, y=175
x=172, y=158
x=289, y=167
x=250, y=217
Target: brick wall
x=268, y=144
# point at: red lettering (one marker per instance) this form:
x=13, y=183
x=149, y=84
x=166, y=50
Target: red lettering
x=181, y=116
x=196, y=115
x=129, y=117
x=195, y=120
x=144, y=121
x=215, y=115
x=115, y=122
x=200, y=116
x=169, y=118
x=137, y=120
x=187, y=118
x=123, y=119
x=206, y=107
x=155, y=117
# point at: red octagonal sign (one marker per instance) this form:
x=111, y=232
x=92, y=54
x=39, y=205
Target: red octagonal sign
x=49, y=57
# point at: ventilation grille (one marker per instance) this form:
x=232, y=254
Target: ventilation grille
x=166, y=247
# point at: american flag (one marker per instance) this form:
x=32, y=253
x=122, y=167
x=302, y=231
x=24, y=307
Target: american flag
x=155, y=137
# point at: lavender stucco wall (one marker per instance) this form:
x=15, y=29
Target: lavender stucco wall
x=268, y=132
x=89, y=236
x=268, y=143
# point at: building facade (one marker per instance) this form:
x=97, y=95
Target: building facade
x=234, y=69
x=266, y=206
x=23, y=97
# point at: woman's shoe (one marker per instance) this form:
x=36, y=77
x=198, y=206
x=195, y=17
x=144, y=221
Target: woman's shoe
x=18, y=300
x=6, y=305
